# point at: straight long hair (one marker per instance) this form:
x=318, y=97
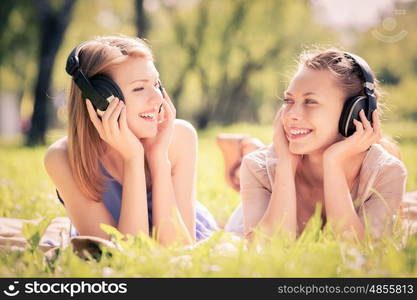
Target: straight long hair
x=85, y=146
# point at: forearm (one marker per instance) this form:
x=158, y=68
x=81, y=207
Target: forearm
x=281, y=213
x=340, y=211
x=166, y=217
x=134, y=209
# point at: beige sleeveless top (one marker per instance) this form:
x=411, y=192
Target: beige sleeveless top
x=377, y=194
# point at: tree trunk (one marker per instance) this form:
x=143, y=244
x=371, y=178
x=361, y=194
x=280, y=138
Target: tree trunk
x=52, y=29
x=142, y=23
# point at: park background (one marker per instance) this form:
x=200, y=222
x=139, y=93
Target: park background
x=225, y=64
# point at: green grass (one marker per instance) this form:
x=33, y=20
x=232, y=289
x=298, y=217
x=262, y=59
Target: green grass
x=26, y=192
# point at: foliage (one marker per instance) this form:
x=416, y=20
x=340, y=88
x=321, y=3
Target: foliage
x=26, y=192
x=17, y=44
x=231, y=56
x=221, y=61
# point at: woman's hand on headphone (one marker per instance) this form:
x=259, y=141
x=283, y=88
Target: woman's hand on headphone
x=364, y=136
x=157, y=147
x=113, y=129
x=281, y=143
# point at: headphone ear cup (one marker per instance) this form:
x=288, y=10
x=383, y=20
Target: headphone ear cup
x=350, y=111
x=106, y=87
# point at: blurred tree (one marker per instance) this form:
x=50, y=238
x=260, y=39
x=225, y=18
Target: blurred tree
x=225, y=47
x=18, y=31
x=54, y=17
x=142, y=22
x=192, y=48
x=387, y=76
x=5, y=10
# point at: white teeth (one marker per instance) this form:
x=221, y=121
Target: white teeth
x=148, y=115
x=299, y=131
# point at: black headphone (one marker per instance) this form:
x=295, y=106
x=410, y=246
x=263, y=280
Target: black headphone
x=97, y=88
x=355, y=104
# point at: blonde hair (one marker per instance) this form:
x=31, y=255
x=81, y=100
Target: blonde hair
x=85, y=146
x=349, y=77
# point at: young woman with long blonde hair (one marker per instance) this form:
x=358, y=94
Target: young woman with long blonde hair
x=132, y=166
x=325, y=150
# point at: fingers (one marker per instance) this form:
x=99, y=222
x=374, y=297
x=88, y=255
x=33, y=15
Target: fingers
x=114, y=117
x=161, y=114
x=171, y=105
x=373, y=130
x=101, y=112
x=278, y=117
x=279, y=132
x=365, y=122
x=281, y=118
x=123, y=119
x=369, y=133
x=107, y=126
x=93, y=117
x=376, y=123
x=168, y=112
x=168, y=107
x=359, y=127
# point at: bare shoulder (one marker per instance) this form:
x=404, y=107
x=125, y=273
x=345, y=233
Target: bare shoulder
x=57, y=166
x=184, y=140
x=184, y=132
x=184, y=129
x=62, y=144
x=56, y=154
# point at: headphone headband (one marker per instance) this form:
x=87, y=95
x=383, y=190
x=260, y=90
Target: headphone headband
x=90, y=88
x=73, y=61
x=354, y=104
x=369, y=85
x=363, y=65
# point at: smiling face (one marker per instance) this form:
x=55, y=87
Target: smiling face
x=313, y=103
x=139, y=81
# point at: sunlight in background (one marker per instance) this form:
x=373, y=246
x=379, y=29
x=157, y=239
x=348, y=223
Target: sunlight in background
x=356, y=14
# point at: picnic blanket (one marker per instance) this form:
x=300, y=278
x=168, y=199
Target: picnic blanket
x=56, y=236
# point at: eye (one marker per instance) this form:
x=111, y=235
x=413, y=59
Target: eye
x=138, y=89
x=311, y=101
x=287, y=101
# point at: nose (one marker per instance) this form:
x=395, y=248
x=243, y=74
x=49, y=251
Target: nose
x=293, y=112
x=156, y=97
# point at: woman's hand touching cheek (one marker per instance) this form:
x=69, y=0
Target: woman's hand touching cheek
x=157, y=147
x=113, y=129
x=281, y=144
x=364, y=136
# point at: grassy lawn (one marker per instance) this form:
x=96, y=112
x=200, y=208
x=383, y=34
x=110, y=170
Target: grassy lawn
x=26, y=192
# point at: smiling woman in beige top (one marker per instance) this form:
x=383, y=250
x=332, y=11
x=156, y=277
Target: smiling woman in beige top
x=311, y=161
